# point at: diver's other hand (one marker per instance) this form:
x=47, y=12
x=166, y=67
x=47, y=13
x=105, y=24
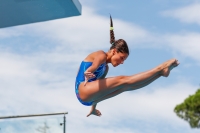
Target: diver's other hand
x=88, y=75
x=94, y=112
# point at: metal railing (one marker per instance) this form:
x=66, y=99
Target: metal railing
x=36, y=115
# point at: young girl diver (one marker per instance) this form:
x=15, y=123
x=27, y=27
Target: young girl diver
x=92, y=87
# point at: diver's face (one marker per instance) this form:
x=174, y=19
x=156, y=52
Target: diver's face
x=118, y=58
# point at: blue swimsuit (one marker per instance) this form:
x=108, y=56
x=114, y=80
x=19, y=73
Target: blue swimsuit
x=81, y=78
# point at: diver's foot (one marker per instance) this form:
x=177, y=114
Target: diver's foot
x=168, y=66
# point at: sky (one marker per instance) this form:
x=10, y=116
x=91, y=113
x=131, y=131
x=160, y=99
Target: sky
x=39, y=63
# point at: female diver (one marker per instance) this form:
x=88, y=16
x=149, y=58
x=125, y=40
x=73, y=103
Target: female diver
x=92, y=87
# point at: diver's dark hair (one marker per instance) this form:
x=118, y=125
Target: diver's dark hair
x=120, y=45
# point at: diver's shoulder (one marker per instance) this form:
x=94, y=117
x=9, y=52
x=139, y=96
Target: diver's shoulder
x=101, y=52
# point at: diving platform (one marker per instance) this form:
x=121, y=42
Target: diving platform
x=20, y=12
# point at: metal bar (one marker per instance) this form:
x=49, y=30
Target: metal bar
x=33, y=115
x=64, y=123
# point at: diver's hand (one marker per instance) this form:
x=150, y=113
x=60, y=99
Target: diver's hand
x=94, y=112
x=88, y=75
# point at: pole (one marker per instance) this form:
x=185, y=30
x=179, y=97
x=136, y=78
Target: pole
x=33, y=115
x=64, y=123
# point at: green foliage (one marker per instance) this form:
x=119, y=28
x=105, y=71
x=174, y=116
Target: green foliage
x=189, y=110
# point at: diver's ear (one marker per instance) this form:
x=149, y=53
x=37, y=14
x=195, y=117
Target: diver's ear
x=113, y=51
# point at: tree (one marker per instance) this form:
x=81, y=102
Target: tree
x=189, y=110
